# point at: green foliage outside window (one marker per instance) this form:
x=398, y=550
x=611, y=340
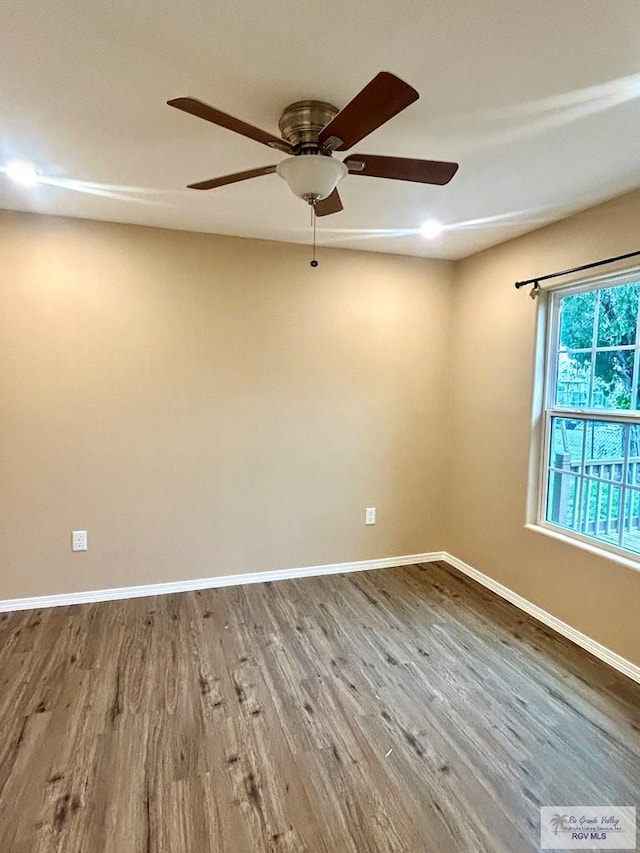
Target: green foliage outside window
x=605, y=322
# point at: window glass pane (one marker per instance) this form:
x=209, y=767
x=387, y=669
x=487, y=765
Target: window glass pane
x=593, y=464
x=633, y=468
x=573, y=378
x=631, y=533
x=612, y=380
x=604, y=450
x=576, y=320
x=562, y=499
x=618, y=315
x=566, y=444
x=600, y=511
x=637, y=400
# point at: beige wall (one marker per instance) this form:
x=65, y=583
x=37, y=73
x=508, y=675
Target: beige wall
x=207, y=405
x=492, y=380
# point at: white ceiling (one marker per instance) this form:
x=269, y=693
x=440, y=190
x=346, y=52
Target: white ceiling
x=537, y=101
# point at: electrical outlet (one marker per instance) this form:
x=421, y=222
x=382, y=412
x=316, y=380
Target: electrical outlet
x=78, y=540
x=370, y=515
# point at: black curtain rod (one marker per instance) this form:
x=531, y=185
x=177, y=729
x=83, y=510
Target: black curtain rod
x=536, y=281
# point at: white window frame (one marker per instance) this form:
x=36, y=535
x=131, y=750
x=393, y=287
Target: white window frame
x=550, y=314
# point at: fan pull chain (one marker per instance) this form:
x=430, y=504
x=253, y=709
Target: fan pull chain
x=313, y=263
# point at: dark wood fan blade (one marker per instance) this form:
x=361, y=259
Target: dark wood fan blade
x=401, y=168
x=201, y=110
x=331, y=204
x=381, y=99
x=232, y=179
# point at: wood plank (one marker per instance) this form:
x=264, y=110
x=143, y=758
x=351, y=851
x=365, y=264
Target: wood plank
x=398, y=710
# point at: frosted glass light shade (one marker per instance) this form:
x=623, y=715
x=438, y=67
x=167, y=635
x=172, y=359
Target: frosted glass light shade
x=311, y=176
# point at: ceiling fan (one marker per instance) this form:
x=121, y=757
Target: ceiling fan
x=313, y=130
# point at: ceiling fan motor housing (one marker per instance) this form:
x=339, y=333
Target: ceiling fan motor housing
x=301, y=123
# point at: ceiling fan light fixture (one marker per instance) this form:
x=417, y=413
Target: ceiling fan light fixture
x=311, y=176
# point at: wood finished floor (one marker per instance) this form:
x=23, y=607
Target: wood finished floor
x=398, y=710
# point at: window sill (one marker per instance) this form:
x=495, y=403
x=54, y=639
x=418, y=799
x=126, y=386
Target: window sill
x=590, y=547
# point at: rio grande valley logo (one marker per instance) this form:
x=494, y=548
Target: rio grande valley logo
x=588, y=828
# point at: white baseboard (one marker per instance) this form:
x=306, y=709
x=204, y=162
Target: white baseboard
x=597, y=649
x=93, y=596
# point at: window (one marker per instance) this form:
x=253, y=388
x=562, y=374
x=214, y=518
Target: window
x=591, y=476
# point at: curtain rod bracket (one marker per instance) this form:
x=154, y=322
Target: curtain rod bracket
x=534, y=290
